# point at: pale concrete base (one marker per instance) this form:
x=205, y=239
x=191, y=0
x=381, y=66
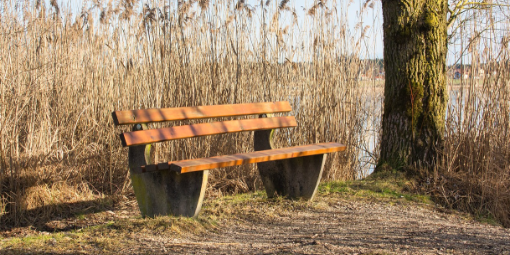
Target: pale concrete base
x=170, y=193
x=293, y=178
x=165, y=192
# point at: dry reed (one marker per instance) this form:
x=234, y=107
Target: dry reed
x=61, y=75
x=473, y=170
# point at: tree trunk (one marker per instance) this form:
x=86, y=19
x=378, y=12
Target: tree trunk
x=415, y=48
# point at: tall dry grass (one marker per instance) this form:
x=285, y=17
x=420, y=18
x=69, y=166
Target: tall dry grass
x=473, y=170
x=61, y=76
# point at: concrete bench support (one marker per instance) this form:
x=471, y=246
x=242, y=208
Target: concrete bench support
x=164, y=192
x=292, y=178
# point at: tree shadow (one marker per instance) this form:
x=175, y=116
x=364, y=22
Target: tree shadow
x=56, y=217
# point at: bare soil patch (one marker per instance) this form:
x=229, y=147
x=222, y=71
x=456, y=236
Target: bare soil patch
x=342, y=226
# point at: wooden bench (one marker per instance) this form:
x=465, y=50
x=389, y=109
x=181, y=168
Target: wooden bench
x=178, y=187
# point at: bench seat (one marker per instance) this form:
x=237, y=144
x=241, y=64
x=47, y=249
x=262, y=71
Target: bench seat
x=192, y=165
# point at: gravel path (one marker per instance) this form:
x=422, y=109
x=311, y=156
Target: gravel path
x=340, y=227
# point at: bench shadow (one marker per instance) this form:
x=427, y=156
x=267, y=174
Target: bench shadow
x=56, y=217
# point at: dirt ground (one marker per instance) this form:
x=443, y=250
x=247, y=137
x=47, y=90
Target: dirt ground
x=344, y=227
x=331, y=224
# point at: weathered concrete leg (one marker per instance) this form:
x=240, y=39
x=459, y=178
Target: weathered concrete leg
x=170, y=193
x=293, y=178
x=165, y=192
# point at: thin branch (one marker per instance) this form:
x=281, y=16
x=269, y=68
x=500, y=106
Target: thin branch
x=463, y=6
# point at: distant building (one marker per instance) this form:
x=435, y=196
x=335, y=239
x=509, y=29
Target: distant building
x=459, y=73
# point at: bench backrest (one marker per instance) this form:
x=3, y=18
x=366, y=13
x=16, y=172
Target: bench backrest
x=202, y=129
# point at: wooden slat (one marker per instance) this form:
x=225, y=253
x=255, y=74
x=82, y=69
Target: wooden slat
x=222, y=127
x=199, y=112
x=192, y=165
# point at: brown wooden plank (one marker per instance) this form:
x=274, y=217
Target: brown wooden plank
x=222, y=127
x=192, y=165
x=199, y=112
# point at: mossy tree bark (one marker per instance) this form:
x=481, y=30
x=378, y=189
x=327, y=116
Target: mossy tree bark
x=415, y=48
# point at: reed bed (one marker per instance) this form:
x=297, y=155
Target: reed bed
x=62, y=74
x=473, y=169
x=473, y=172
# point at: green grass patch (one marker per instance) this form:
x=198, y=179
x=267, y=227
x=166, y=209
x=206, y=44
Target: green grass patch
x=109, y=236
x=385, y=186
x=33, y=240
x=487, y=217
